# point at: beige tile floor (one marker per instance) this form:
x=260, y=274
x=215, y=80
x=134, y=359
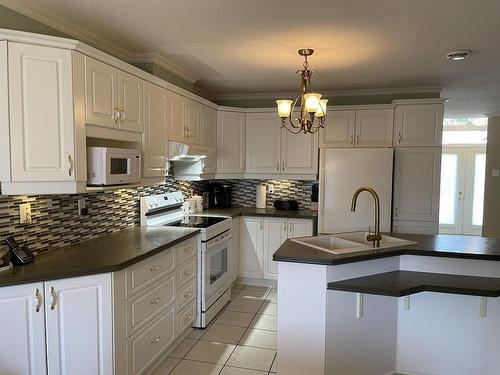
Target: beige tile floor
x=240, y=341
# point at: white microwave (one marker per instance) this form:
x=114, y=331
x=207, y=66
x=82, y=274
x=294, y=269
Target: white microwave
x=113, y=166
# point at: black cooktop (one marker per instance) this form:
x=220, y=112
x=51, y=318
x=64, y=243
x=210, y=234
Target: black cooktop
x=197, y=221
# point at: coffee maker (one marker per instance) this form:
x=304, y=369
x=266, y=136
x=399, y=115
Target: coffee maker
x=219, y=195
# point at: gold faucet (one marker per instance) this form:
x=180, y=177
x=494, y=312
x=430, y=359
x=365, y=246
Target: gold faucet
x=375, y=238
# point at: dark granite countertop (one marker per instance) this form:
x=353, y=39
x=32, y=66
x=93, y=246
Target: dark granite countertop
x=251, y=211
x=105, y=254
x=404, y=283
x=449, y=246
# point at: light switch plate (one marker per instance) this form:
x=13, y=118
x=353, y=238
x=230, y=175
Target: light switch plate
x=25, y=213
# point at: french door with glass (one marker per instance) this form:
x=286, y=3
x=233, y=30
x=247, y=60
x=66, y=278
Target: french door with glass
x=462, y=190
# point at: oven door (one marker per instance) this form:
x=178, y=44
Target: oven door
x=216, y=271
x=122, y=167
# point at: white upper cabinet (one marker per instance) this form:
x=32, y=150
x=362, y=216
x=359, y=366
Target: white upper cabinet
x=101, y=94
x=230, y=142
x=41, y=113
x=417, y=174
x=176, y=117
x=22, y=342
x=358, y=128
x=374, y=127
x=113, y=97
x=154, y=139
x=193, y=122
x=418, y=125
x=79, y=325
x=299, y=153
x=263, y=138
x=130, y=98
x=339, y=129
x=209, y=138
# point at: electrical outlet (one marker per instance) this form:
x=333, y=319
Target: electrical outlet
x=82, y=210
x=25, y=213
x=270, y=189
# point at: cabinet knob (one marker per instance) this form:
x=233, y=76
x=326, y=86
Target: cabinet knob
x=155, y=301
x=38, y=300
x=53, y=295
x=154, y=269
x=155, y=340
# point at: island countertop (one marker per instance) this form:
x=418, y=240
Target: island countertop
x=442, y=245
x=109, y=253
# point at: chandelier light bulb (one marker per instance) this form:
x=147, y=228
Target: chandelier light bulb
x=284, y=108
x=312, y=101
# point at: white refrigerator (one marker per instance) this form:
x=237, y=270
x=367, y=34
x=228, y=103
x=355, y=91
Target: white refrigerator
x=342, y=172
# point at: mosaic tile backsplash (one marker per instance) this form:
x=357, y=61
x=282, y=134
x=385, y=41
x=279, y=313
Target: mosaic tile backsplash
x=56, y=222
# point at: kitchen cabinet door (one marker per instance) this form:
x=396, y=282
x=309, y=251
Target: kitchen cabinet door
x=22, y=342
x=130, y=98
x=275, y=233
x=300, y=228
x=299, y=153
x=235, y=245
x=374, y=127
x=230, y=142
x=209, y=138
x=176, y=113
x=101, y=94
x=416, y=227
x=193, y=122
x=263, y=138
x=154, y=139
x=79, y=325
x=418, y=125
x=41, y=113
x=417, y=174
x=251, y=247
x=339, y=129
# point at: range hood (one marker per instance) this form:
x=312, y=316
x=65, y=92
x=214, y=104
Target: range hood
x=181, y=152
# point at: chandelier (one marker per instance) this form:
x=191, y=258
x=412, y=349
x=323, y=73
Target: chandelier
x=312, y=107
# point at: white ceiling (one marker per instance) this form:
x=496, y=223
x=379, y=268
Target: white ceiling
x=249, y=46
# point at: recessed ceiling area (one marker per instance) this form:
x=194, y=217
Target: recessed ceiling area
x=237, y=47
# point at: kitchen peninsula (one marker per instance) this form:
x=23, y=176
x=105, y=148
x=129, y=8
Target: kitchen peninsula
x=426, y=308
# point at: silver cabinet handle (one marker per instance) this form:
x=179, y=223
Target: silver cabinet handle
x=154, y=269
x=53, y=296
x=284, y=226
x=291, y=226
x=122, y=115
x=155, y=301
x=70, y=165
x=156, y=340
x=243, y=166
x=395, y=228
x=261, y=225
x=396, y=210
x=399, y=137
x=352, y=139
x=283, y=166
x=116, y=115
x=357, y=139
x=38, y=300
x=460, y=196
x=278, y=166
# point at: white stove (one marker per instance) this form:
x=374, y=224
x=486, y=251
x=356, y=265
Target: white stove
x=214, y=257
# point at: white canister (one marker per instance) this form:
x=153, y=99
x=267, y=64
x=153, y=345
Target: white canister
x=198, y=203
x=189, y=206
x=260, y=198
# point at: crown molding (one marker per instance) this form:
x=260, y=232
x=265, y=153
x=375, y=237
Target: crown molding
x=94, y=40
x=330, y=93
x=160, y=59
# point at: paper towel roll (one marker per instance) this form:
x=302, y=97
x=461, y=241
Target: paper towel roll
x=261, y=196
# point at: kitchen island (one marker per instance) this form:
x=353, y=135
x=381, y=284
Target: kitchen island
x=426, y=308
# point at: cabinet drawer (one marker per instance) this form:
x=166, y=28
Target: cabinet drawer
x=185, y=317
x=186, y=272
x=185, y=250
x=144, y=306
x=144, y=347
x=186, y=294
x=147, y=272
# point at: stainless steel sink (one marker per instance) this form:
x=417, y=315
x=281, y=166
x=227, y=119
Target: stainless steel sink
x=351, y=242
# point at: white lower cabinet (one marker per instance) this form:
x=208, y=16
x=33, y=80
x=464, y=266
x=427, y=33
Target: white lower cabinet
x=22, y=342
x=259, y=238
x=416, y=227
x=234, y=256
x=57, y=327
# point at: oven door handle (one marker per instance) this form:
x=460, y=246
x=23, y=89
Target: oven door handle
x=218, y=240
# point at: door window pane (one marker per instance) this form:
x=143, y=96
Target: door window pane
x=478, y=199
x=448, y=199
